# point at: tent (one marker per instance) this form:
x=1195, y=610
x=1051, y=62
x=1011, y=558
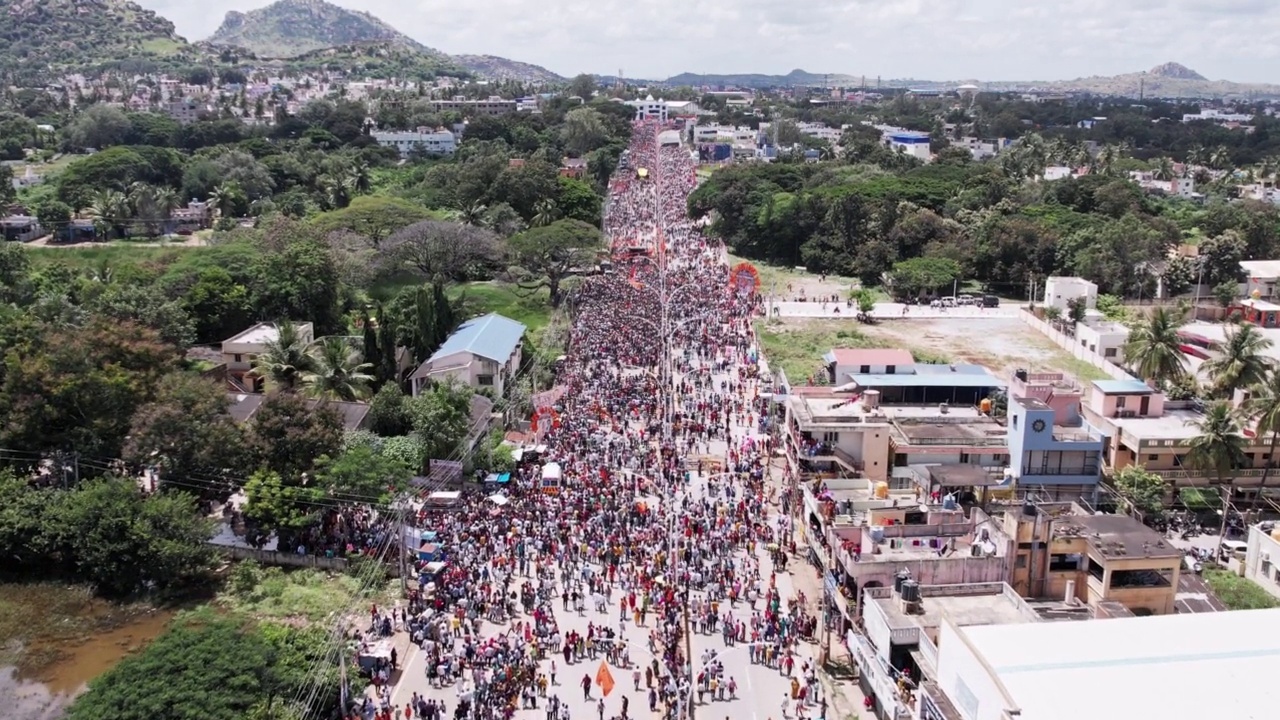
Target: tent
x=552, y=476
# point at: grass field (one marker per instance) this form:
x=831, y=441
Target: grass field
x=1238, y=593
x=797, y=347
x=111, y=253
x=296, y=596
x=480, y=298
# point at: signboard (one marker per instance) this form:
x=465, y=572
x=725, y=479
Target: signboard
x=444, y=472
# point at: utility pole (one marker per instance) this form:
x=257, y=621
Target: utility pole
x=404, y=572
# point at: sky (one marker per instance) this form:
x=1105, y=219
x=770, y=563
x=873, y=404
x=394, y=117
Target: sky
x=982, y=40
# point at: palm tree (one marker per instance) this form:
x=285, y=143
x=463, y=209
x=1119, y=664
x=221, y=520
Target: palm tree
x=1220, y=159
x=1164, y=169
x=224, y=197
x=545, y=213
x=1154, y=348
x=285, y=359
x=1241, y=361
x=472, y=213
x=109, y=210
x=358, y=177
x=338, y=371
x=1264, y=407
x=1218, y=449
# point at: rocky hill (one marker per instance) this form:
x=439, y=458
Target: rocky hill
x=498, y=68
x=289, y=28
x=39, y=37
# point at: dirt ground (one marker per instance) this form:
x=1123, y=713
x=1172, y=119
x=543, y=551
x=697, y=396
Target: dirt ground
x=792, y=283
x=1002, y=344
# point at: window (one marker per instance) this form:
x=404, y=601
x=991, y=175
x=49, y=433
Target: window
x=1120, y=402
x=830, y=437
x=864, y=369
x=1152, y=458
x=486, y=380
x=236, y=358
x=1110, y=352
x=890, y=369
x=1014, y=420
x=1022, y=561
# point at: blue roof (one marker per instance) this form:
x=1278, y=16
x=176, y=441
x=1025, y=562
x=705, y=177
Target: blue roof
x=491, y=336
x=1122, y=387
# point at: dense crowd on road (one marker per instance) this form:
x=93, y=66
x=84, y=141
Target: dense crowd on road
x=659, y=522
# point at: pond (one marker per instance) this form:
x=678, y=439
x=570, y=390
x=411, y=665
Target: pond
x=55, y=638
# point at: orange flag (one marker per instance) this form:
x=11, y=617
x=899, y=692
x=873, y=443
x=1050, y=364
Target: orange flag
x=604, y=679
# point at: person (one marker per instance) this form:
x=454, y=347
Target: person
x=586, y=687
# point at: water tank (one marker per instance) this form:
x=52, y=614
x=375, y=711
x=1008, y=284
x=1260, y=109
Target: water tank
x=949, y=502
x=1021, y=374
x=882, y=491
x=871, y=399
x=910, y=591
x=899, y=580
x=877, y=535
x=985, y=406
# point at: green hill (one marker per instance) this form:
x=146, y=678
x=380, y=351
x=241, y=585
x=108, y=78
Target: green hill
x=291, y=28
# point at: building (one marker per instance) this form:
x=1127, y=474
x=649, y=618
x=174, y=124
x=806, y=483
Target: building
x=844, y=363
x=243, y=406
x=20, y=228
x=1217, y=116
x=1103, y=336
x=195, y=216
x=915, y=144
x=1116, y=669
x=650, y=109
x=1056, y=460
x=491, y=107
x=239, y=352
x=187, y=110
x=1262, y=557
x=424, y=140
x=573, y=168
x=1260, y=279
x=483, y=352
x=1059, y=292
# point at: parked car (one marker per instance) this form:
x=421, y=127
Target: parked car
x=990, y=301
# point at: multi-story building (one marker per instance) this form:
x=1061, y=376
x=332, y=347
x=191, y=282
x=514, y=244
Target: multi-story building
x=187, y=110
x=239, y=352
x=915, y=144
x=1059, y=292
x=1261, y=562
x=492, y=106
x=649, y=109
x=426, y=140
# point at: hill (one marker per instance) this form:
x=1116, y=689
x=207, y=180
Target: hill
x=1165, y=80
x=290, y=28
x=498, y=68
x=39, y=37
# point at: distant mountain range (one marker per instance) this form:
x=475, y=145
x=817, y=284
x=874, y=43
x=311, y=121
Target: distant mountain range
x=293, y=28
x=1165, y=80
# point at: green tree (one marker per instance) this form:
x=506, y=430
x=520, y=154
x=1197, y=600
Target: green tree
x=441, y=417
x=583, y=130
x=388, y=412
x=285, y=360
x=187, y=435
x=578, y=201
x=917, y=276
x=1154, y=348
x=360, y=473
x=338, y=372
x=441, y=250
x=299, y=281
x=15, y=274
x=1218, y=449
x=288, y=434
x=1264, y=408
x=1143, y=490
x=1241, y=361
x=372, y=217
x=1076, y=310
x=99, y=126
x=545, y=256
x=218, y=304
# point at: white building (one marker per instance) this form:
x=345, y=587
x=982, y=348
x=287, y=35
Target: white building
x=1113, y=669
x=1262, y=558
x=1060, y=291
x=1261, y=277
x=650, y=109
x=915, y=144
x=239, y=352
x=484, y=352
x=432, y=142
x=725, y=134
x=1217, y=116
x=1103, y=336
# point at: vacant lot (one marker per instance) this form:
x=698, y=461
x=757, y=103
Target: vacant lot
x=1001, y=344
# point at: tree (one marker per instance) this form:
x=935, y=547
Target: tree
x=99, y=126
x=15, y=274
x=1217, y=450
x=583, y=130
x=1154, y=348
x=123, y=542
x=1076, y=310
x=76, y=388
x=545, y=256
x=288, y=434
x=1179, y=275
x=361, y=474
x=372, y=217
x=388, y=413
x=441, y=417
x=285, y=360
x=187, y=435
x=1241, y=361
x=110, y=212
x=917, y=276
x=440, y=250
x=146, y=305
x=338, y=372
x=866, y=301
x=1263, y=407
x=1143, y=490
x=578, y=201
x=1220, y=256
x=582, y=85
x=1226, y=292
x=298, y=280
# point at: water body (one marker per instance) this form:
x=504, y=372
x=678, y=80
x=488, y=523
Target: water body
x=58, y=638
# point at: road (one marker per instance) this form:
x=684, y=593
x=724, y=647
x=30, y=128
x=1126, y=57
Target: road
x=886, y=311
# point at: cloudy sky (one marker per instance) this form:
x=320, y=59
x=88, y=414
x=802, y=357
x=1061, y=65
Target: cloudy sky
x=926, y=39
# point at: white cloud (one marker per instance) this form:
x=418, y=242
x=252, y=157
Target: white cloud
x=943, y=39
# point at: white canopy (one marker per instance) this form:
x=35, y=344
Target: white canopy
x=552, y=471
x=499, y=499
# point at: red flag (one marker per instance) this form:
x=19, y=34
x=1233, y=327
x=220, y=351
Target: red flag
x=604, y=679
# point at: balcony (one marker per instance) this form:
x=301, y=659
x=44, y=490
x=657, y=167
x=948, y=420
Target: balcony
x=1192, y=474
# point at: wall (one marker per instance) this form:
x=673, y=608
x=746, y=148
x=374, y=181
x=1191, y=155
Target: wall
x=965, y=679
x=273, y=557
x=1072, y=346
x=1261, y=559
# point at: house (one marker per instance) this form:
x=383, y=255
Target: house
x=243, y=406
x=187, y=110
x=20, y=228
x=423, y=139
x=844, y=362
x=78, y=230
x=915, y=144
x=1059, y=292
x=573, y=167
x=1261, y=277
x=1056, y=460
x=482, y=352
x=1103, y=336
x=1262, y=557
x=239, y=352
x=195, y=216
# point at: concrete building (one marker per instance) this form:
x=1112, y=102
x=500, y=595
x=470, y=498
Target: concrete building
x=1217, y=116
x=1261, y=277
x=239, y=352
x=649, y=109
x=1059, y=461
x=1060, y=291
x=1262, y=557
x=20, y=228
x=187, y=110
x=1103, y=336
x=491, y=107
x=915, y=144
x=1107, y=670
x=483, y=352
x=426, y=140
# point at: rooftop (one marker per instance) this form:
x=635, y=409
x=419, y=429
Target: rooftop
x=1261, y=268
x=1174, y=424
x=1128, y=664
x=929, y=375
x=264, y=333
x=1121, y=537
x=491, y=336
x=850, y=356
x=1123, y=387
x=967, y=604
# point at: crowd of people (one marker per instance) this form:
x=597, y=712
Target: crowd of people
x=660, y=525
